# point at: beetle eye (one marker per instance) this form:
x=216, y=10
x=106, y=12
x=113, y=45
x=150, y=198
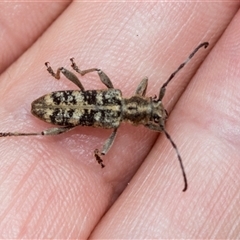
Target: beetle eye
x=156, y=118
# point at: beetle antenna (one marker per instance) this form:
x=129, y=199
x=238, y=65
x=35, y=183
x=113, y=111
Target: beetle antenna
x=179, y=159
x=163, y=88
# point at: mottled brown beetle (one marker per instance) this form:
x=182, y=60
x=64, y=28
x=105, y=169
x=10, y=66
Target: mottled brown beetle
x=102, y=108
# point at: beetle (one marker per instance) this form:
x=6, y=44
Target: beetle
x=102, y=108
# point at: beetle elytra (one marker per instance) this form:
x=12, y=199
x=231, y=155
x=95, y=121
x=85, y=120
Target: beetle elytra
x=102, y=108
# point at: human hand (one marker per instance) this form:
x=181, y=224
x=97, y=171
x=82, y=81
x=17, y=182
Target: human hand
x=51, y=187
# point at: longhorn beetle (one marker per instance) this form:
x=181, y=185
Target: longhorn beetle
x=102, y=108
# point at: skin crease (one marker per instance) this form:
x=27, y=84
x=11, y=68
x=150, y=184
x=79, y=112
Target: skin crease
x=51, y=187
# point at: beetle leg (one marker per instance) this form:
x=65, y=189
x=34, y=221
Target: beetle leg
x=69, y=75
x=103, y=76
x=107, y=145
x=142, y=87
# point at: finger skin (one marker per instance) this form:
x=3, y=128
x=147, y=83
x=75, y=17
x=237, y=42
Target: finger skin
x=51, y=186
